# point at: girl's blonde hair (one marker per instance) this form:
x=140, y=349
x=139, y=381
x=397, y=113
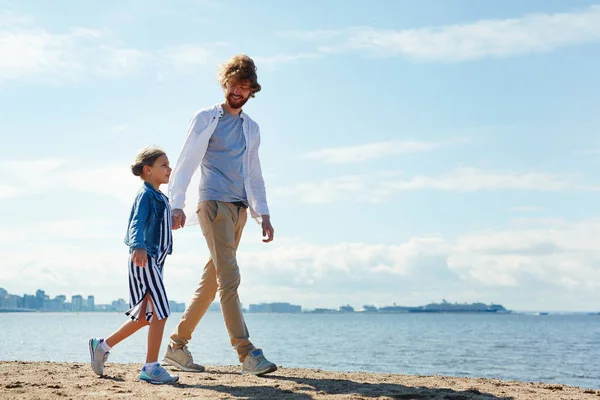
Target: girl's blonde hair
x=146, y=156
x=240, y=68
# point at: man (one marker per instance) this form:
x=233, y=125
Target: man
x=223, y=141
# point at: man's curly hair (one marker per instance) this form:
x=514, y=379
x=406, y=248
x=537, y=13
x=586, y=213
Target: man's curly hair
x=239, y=67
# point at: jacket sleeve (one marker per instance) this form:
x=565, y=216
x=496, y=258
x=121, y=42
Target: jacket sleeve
x=256, y=178
x=139, y=217
x=188, y=161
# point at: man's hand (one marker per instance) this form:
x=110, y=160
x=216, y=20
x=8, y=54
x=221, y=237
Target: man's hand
x=139, y=257
x=177, y=218
x=267, y=228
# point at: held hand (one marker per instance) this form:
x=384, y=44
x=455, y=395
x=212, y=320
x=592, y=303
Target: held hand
x=177, y=218
x=139, y=257
x=267, y=229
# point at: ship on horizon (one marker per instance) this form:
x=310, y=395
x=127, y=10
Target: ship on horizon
x=446, y=307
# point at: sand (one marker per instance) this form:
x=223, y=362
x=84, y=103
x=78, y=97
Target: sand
x=49, y=380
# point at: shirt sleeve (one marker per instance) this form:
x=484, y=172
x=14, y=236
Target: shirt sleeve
x=141, y=210
x=256, y=178
x=188, y=161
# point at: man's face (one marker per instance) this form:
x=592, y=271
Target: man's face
x=237, y=93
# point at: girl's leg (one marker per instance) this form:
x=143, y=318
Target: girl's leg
x=155, y=335
x=129, y=327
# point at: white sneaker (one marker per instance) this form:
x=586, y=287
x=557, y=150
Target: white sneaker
x=182, y=359
x=255, y=363
x=97, y=355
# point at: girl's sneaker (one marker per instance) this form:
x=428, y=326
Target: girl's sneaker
x=97, y=355
x=157, y=375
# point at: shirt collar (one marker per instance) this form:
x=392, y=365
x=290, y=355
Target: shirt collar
x=222, y=112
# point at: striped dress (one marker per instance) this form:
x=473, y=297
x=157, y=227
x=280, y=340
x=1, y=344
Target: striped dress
x=149, y=279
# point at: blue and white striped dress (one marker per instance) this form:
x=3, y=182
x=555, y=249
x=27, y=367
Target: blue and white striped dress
x=149, y=279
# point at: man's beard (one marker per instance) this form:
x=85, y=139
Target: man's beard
x=236, y=104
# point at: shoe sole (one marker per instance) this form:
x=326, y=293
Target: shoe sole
x=175, y=364
x=158, y=382
x=272, y=368
x=91, y=346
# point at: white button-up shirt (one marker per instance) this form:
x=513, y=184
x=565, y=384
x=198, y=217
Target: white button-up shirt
x=202, y=126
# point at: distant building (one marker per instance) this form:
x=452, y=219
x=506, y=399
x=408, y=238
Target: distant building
x=10, y=302
x=3, y=293
x=215, y=306
x=76, y=303
x=368, y=308
x=176, y=307
x=347, y=309
x=40, y=298
x=29, y=301
x=90, y=303
x=395, y=309
x=324, y=311
x=120, y=305
x=54, y=305
x=274, y=308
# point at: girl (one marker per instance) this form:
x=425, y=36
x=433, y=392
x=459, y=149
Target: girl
x=150, y=240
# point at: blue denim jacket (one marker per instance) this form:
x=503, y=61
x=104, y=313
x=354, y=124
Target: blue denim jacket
x=147, y=214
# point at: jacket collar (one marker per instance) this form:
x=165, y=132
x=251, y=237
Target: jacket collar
x=148, y=187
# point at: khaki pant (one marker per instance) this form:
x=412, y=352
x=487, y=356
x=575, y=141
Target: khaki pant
x=222, y=225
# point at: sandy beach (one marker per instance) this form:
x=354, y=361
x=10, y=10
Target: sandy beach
x=48, y=380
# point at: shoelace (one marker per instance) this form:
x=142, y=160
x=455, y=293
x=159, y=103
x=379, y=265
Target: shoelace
x=189, y=354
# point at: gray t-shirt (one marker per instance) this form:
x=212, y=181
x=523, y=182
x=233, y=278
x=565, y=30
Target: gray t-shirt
x=222, y=166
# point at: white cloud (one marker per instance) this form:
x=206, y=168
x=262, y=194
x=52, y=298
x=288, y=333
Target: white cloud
x=28, y=176
x=31, y=52
x=8, y=191
x=187, y=58
x=120, y=183
x=513, y=265
x=536, y=266
x=119, y=62
x=368, y=151
x=37, y=176
x=358, y=187
x=59, y=230
x=470, y=179
x=525, y=208
x=382, y=186
x=536, y=33
x=275, y=60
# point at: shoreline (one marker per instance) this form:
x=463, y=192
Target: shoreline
x=74, y=380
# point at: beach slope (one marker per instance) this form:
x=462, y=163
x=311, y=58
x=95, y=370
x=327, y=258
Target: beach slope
x=49, y=380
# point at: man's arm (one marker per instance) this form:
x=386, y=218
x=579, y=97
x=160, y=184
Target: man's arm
x=260, y=193
x=257, y=180
x=187, y=163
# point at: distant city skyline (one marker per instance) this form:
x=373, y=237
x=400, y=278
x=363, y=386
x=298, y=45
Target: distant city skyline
x=42, y=302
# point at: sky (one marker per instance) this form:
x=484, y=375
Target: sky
x=412, y=151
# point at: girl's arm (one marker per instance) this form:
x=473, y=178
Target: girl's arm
x=139, y=216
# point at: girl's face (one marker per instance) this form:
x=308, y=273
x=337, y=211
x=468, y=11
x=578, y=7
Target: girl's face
x=159, y=172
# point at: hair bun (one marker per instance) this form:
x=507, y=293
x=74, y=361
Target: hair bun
x=137, y=169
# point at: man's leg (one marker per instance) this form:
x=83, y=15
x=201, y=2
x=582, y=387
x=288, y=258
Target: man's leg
x=177, y=354
x=222, y=225
x=201, y=300
x=223, y=233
